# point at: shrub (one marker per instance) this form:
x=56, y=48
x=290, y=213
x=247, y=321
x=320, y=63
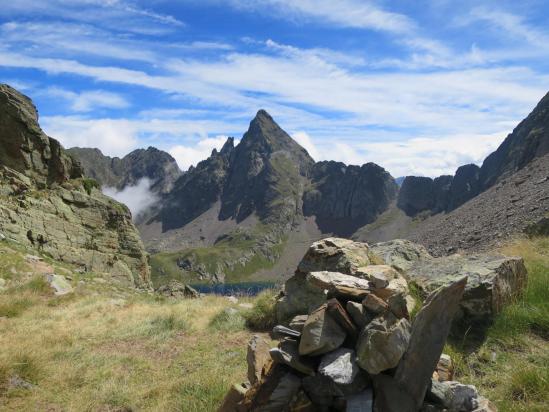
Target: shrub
x=90, y=184
x=262, y=316
x=165, y=325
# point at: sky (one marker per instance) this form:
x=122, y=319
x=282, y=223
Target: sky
x=419, y=87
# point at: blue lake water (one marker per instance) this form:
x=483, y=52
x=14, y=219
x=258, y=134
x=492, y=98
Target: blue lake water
x=235, y=289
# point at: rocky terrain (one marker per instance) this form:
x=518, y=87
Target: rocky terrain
x=356, y=339
x=159, y=167
x=46, y=203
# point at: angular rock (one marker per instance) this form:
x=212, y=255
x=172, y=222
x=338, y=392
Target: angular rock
x=374, y=304
x=430, y=330
x=298, y=322
x=396, y=295
x=484, y=405
x=321, y=333
x=362, y=402
x=445, y=368
x=378, y=275
x=494, y=281
x=335, y=255
x=358, y=313
x=382, y=343
x=340, y=366
x=301, y=403
x=300, y=298
x=321, y=390
x=336, y=311
x=257, y=355
x=400, y=253
x=59, y=284
x=288, y=354
x=175, y=289
x=280, y=331
x=282, y=395
x=339, y=284
x=461, y=397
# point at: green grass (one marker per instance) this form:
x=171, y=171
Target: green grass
x=227, y=320
x=511, y=366
x=90, y=184
x=262, y=316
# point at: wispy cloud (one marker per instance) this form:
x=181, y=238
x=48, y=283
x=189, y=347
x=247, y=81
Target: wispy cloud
x=88, y=100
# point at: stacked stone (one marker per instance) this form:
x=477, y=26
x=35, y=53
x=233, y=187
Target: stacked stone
x=349, y=343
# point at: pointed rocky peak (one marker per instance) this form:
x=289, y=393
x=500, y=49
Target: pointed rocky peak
x=228, y=147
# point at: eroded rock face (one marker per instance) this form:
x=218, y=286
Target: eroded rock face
x=44, y=202
x=494, y=281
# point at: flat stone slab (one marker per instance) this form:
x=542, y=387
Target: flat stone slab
x=339, y=284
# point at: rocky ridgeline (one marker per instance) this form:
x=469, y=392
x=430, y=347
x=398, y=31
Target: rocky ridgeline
x=350, y=342
x=46, y=203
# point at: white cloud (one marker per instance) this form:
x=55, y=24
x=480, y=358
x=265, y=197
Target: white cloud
x=138, y=198
x=187, y=156
x=306, y=142
x=112, y=137
x=89, y=100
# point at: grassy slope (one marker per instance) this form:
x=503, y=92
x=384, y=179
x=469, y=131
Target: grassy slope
x=106, y=348
x=511, y=366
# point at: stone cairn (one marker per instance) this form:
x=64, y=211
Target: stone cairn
x=347, y=341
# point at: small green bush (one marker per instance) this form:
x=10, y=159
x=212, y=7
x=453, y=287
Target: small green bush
x=262, y=316
x=165, y=325
x=90, y=184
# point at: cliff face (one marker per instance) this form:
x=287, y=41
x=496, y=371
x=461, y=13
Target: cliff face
x=528, y=142
x=156, y=165
x=46, y=203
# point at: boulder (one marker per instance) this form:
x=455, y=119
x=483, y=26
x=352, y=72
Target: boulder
x=175, y=289
x=299, y=298
x=358, y=313
x=321, y=390
x=340, y=285
x=321, y=333
x=256, y=356
x=493, y=281
x=340, y=315
x=298, y=322
x=429, y=332
x=59, y=284
x=445, y=368
x=288, y=354
x=374, y=304
x=382, y=343
x=400, y=253
x=378, y=275
x=396, y=296
x=460, y=397
x=340, y=366
x=335, y=255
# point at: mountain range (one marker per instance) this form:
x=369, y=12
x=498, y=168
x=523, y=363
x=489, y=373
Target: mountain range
x=251, y=210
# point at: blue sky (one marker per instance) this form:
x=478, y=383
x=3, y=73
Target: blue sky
x=419, y=87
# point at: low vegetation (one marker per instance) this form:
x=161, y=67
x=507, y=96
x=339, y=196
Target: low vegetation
x=511, y=362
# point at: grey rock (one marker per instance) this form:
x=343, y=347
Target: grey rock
x=321, y=333
x=300, y=298
x=362, y=402
x=2, y=237
x=400, y=253
x=288, y=354
x=280, y=331
x=339, y=284
x=378, y=275
x=460, y=397
x=382, y=343
x=16, y=382
x=335, y=255
x=340, y=365
x=298, y=322
x=429, y=332
x=321, y=390
x=59, y=284
x=282, y=395
x=374, y=305
x=359, y=314
x=493, y=281
x=256, y=356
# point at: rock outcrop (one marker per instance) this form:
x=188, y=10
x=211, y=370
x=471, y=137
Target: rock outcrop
x=46, y=203
x=159, y=167
x=382, y=362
